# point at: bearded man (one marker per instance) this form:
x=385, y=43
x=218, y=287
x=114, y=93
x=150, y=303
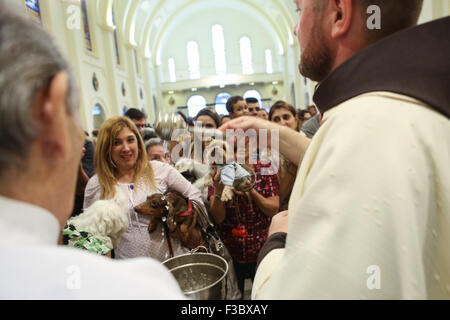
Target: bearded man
x=369, y=214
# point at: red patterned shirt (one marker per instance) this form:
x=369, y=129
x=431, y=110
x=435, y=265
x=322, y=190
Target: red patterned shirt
x=245, y=250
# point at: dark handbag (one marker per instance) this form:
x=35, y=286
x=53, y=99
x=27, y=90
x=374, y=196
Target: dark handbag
x=216, y=246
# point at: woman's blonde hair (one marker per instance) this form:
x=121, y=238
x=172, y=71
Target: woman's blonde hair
x=105, y=168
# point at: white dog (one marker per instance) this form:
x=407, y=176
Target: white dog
x=105, y=220
x=195, y=172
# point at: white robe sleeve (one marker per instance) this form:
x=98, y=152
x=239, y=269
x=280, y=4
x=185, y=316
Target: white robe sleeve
x=365, y=218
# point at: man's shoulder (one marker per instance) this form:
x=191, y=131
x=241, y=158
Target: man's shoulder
x=380, y=120
x=385, y=105
x=69, y=273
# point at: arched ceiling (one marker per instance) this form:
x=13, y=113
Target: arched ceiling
x=145, y=23
x=196, y=9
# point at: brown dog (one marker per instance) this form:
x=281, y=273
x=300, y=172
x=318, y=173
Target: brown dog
x=181, y=218
x=155, y=206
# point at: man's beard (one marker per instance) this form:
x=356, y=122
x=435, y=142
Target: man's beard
x=316, y=61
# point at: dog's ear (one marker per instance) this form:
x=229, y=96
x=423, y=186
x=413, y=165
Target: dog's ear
x=177, y=203
x=154, y=196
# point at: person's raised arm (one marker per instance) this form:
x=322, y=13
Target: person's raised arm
x=269, y=206
x=217, y=207
x=291, y=143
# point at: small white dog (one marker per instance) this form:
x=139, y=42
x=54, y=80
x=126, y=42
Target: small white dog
x=195, y=172
x=105, y=220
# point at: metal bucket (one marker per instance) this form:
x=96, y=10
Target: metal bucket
x=201, y=276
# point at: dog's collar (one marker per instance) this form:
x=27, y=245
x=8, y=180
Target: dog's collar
x=187, y=213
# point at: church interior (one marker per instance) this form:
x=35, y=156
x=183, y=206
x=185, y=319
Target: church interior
x=179, y=55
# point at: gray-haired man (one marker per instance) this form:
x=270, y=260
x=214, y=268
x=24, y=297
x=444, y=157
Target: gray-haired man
x=40, y=148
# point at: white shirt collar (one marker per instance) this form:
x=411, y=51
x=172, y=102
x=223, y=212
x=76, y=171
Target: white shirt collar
x=24, y=223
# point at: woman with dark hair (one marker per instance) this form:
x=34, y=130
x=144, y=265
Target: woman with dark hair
x=284, y=114
x=243, y=222
x=208, y=119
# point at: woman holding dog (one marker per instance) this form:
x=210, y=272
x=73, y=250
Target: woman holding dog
x=243, y=223
x=121, y=160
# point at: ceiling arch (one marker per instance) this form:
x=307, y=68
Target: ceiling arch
x=154, y=18
x=190, y=8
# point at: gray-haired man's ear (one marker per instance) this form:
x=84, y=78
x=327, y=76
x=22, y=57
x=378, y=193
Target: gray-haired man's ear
x=50, y=115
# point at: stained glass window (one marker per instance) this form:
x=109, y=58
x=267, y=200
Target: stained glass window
x=136, y=61
x=87, y=32
x=116, y=42
x=34, y=9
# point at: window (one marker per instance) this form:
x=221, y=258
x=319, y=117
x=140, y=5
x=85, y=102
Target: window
x=219, y=49
x=136, y=63
x=116, y=41
x=87, y=33
x=253, y=94
x=193, y=60
x=172, y=74
x=98, y=115
x=34, y=9
x=246, y=55
x=195, y=104
x=269, y=66
x=221, y=101
x=98, y=110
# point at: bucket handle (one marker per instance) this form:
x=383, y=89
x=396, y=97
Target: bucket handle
x=193, y=251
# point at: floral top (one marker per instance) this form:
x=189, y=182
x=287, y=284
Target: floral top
x=246, y=249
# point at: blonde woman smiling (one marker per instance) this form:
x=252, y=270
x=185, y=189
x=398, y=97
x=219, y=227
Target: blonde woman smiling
x=121, y=160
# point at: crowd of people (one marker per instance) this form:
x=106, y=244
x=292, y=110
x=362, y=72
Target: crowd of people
x=363, y=181
x=121, y=149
